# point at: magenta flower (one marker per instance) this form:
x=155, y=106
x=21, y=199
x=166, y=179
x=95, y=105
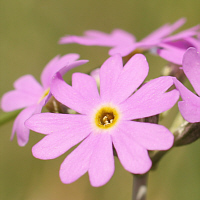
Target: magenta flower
x=124, y=43
x=32, y=96
x=105, y=120
x=190, y=106
x=173, y=48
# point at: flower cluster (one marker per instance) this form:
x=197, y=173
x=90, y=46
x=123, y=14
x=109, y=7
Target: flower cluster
x=32, y=96
x=105, y=120
x=161, y=42
x=112, y=106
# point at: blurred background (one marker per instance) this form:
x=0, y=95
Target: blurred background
x=30, y=31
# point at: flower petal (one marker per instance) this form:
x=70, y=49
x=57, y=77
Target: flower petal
x=189, y=111
x=130, y=78
x=190, y=106
x=164, y=31
x=28, y=92
x=150, y=136
x=109, y=73
x=132, y=156
x=191, y=68
x=93, y=37
x=14, y=100
x=101, y=166
x=28, y=83
x=171, y=53
x=87, y=87
x=183, y=34
x=68, y=96
x=55, y=123
x=150, y=99
x=62, y=64
x=64, y=131
x=72, y=65
x=21, y=130
x=123, y=50
x=77, y=162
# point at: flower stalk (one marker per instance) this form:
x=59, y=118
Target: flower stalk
x=139, y=187
x=6, y=117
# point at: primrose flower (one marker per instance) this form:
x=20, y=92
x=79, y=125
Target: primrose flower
x=32, y=96
x=159, y=42
x=190, y=106
x=105, y=121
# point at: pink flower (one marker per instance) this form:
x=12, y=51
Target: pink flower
x=124, y=43
x=173, y=48
x=105, y=121
x=190, y=106
x=32, y=96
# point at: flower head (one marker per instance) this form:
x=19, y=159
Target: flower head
x=190, y=106
x=160, y=41
x=32, y=96
x=105, y=121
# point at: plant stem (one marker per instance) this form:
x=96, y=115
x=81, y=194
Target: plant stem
x=139, y=187
x=8, y=116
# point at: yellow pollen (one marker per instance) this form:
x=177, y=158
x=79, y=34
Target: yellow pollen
x=106, y=117
x=46, y=92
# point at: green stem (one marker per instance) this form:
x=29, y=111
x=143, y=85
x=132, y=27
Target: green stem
x=8, y=116
x=139, y=187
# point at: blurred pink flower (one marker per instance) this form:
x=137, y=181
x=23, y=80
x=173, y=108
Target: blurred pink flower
x=190, y=106
x=105, y=121
x=159, y=41
x=32, y=96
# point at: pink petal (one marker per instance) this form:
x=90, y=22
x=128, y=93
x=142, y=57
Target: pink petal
x=117, y=37
x=150, y=136
x=68, y=96
x=55, y=65
x=123, y=50
x=72, y=65
x=55, y=123
x=77, y=162
x=101, y=166
x=177, y=24
x=14, y=100
x=64, y=131
x=132, y=156
x=194, y=42
x=130, y=78
x=87, y=87
x=21, y=130
x=28, y=84
x=190, y=106
x=28, y=92
x=109, y=73
x=150, y=99
x=98, y=38
x=163, y=31
x=171, y=53
x=191, y=68
x=123, y=37
x=189, y=111
x=157, y=34
x=183, y=34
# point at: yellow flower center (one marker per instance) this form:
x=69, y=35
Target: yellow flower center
x=106, y=117
x=46, y=92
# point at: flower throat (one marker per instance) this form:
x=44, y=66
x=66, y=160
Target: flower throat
x=106, y=117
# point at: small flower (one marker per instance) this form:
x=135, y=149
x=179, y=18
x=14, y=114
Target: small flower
x=32, y=96
x=190, y=106
x=159, y=41
x=105, y=121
